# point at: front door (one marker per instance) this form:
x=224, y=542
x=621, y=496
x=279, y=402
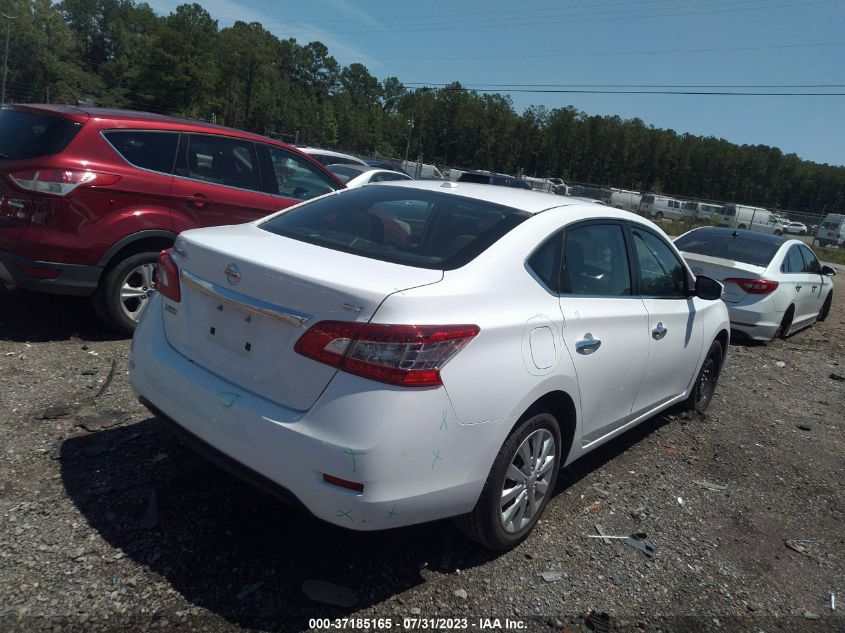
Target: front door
x=674, y=326
x=604, y=325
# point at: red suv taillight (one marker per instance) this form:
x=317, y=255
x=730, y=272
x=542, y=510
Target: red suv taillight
x=407, y=355
x=753, y=286
x=166, y=277
x=59, y=182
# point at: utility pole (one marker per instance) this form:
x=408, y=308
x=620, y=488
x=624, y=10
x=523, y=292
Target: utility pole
x=408, y=145
x=9, y=19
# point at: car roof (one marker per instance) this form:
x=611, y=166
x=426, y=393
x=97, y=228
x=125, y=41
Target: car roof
x=84, y=113
x=522, y=199
x=743, y=234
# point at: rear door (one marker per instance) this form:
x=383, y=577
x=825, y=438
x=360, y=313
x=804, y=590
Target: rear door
x=674, y=329
x=217, y=181
x=604, y=324
x=798, y=283
x=819, y=284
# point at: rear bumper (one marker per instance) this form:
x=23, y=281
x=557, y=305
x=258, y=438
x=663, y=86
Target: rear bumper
x=52, y=277
x=758, y=321
x=416, y=462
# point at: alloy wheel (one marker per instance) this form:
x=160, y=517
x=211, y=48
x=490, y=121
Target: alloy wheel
x=527, y=480
x=136, y=290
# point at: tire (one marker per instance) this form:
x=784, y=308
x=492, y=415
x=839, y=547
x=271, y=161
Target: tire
x=778, y=232
x=124, y=291
x=658, y=216
x=487, y=524
x=741, y=226
x=706, y=381
x=826, y=307
x=802, y=233
x=785, y=324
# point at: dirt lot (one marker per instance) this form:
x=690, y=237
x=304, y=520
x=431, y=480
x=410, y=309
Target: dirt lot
x=117, y=525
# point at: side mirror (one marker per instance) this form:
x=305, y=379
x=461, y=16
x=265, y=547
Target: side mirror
x=708, y=289
x=827, y=270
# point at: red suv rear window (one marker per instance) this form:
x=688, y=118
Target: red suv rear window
x=26, y=135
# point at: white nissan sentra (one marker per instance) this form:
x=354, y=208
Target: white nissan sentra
x=412, y=351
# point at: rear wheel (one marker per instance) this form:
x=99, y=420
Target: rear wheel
x=741, y=226
x=826, y=306
x=705, y=383
x=518, y=487
x=125, y=291
x=658, y=216
x=778, y=232
x=802, y=232
x=785, y=323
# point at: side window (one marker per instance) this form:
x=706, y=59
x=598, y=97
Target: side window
x=223, y=161
x=544, y=262
x=812, y=264
x=149, y=150
x=661, y=272
x=595, y=261
x=793, y=262
x=295, y=177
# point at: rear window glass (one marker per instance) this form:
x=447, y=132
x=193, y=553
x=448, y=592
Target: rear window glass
x=728, y=211
x=345, y=172
x=427, y=229
x=483, y=179
x=723, y=244
x=150, y=150
x=26, y=135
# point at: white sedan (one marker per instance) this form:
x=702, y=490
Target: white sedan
x=405, y=352
x=774, y=286
x=358, y=176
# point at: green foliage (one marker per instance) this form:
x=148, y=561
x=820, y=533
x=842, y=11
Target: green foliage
x=120, y=53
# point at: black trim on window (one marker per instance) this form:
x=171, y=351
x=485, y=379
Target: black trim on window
x=553, y=284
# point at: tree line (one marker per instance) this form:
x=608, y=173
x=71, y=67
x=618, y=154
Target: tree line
x=121, y=53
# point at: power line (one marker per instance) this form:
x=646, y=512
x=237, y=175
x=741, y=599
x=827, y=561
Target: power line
x=646, y=92
x=424, y=84
x=607, y=16
x=673, y=51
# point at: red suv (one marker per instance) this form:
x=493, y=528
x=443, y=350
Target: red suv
x=89, y=196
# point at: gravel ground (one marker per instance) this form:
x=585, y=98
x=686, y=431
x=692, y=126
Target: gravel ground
x=107, y=522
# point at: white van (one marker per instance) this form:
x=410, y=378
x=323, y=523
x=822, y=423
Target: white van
x=625, y=199
x=832, y=230
x=741, y=216
x=701, y=211
x=421, y=171
x=659, y=207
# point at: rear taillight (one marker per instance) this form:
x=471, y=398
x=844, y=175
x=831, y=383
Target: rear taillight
x=166, y=277
x=407, y=355
x=59, y=182
x=753, y=286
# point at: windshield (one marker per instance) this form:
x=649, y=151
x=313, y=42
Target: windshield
x=25, y=135
x=736, y=246
x=427, y=229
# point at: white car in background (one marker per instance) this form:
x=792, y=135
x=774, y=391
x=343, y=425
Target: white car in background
x=774, y=286
x=359, y=175
x=329, y=157
x=446, y=367
x=795, y=228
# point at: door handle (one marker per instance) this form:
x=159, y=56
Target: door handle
x=587, y=345
x=658, y=332
x=198, y=200
x=797, y=287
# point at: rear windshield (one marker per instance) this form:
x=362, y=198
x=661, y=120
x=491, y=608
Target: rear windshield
x=728, y=211
x=725, y=245
x=25, y=135
x=426, y=229
x=483, y=179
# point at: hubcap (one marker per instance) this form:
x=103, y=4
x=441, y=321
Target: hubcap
x=527, y=480
x=136, y=290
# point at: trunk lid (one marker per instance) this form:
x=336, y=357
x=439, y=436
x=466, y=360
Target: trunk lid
x=721, y=269
x=248, y=295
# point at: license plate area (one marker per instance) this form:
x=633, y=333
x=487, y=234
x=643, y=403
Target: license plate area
x=231, y=329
